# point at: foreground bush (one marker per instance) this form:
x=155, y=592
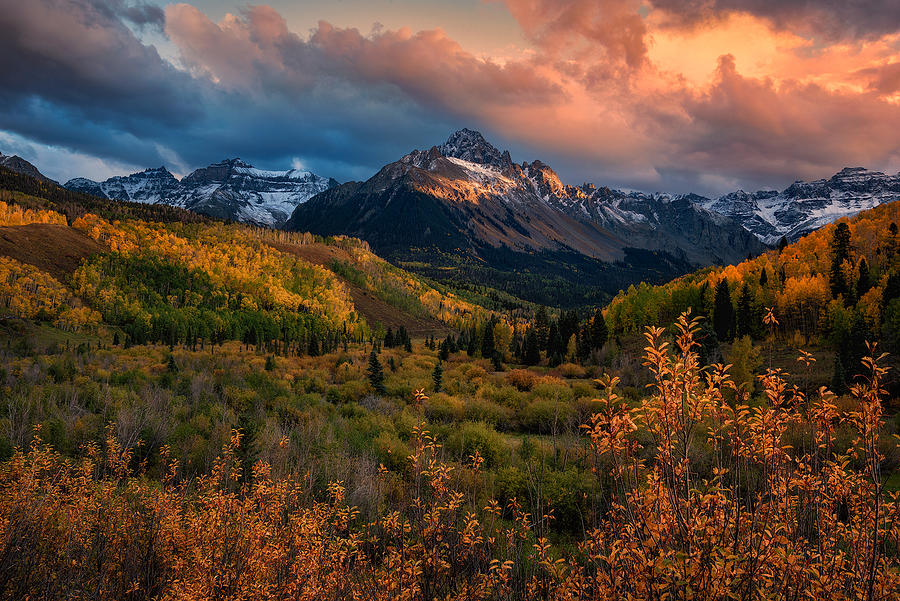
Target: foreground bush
x=701, y=498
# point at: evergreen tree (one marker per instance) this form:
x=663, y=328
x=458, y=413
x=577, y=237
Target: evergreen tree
x=437, y=376
x=599, y=331
x=851, y=348
x=782, y=244
x=723, y=312
x=389, y=339
x=376, y=373
x=542, y=326
x=864, y=283
x=764, y=278
x=840, y=252
x=487, y=340
x=891, y=290
x=532, y=353
x=556, y=346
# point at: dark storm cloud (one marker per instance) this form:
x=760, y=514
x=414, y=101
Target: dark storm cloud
x=74, y=74
x=831, y=19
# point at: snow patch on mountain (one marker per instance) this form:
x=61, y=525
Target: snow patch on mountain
x=806, y=206
x=230, y=189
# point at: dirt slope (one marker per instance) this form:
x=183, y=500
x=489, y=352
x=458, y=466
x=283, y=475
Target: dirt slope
x=56, y=249
x=370, y=306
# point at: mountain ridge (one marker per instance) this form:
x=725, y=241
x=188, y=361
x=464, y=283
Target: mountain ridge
x=804, y=206
x=228, y=189
x=20, y=165
x=465, y=205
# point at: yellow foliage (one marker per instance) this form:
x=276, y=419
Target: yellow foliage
x=28, y=292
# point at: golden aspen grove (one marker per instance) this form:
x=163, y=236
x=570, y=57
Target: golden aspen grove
x=467, y=300
x=201, y=410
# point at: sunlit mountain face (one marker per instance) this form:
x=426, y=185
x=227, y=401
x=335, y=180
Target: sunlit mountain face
x=652, y=95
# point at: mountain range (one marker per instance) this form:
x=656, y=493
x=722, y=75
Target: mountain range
x=804, y=207
x=231, y=189
x=465, y=211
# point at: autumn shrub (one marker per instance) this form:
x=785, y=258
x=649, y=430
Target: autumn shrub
x=547, y=416
x=551, y=387
x=522, y=379
x=683, y=493
x=507, y=396
x=485, y=410
x=444, y=408
x=470, y=437
x=571, y=370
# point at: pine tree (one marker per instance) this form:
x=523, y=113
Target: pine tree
x=376, y=374
x=840, y=252
x=532, y=353
x=556, y=346
x=487, y=340
x=764, y=278
x=599, y=331
x=541, y=325
x=864, y=283
x=782, y=244
x=723, y=312
x=437, y=376
x=389, y=339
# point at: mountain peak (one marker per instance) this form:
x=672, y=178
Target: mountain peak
x=20, y=165
x=856, y=172
x=470, y=145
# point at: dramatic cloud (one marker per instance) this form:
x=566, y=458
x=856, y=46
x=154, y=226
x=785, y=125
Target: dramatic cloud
x=583, y=25
x=702, y=95
x=833, y=19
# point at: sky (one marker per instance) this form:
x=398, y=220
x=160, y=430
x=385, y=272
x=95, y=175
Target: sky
x=703, y=96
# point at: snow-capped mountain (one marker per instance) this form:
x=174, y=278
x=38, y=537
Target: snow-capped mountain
x=231, y=189
x=805, y=206
x=466, y=202
x=150, y=186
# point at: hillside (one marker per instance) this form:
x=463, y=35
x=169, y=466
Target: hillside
x=159, y=278
x=836, y=288
x=193, y=388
